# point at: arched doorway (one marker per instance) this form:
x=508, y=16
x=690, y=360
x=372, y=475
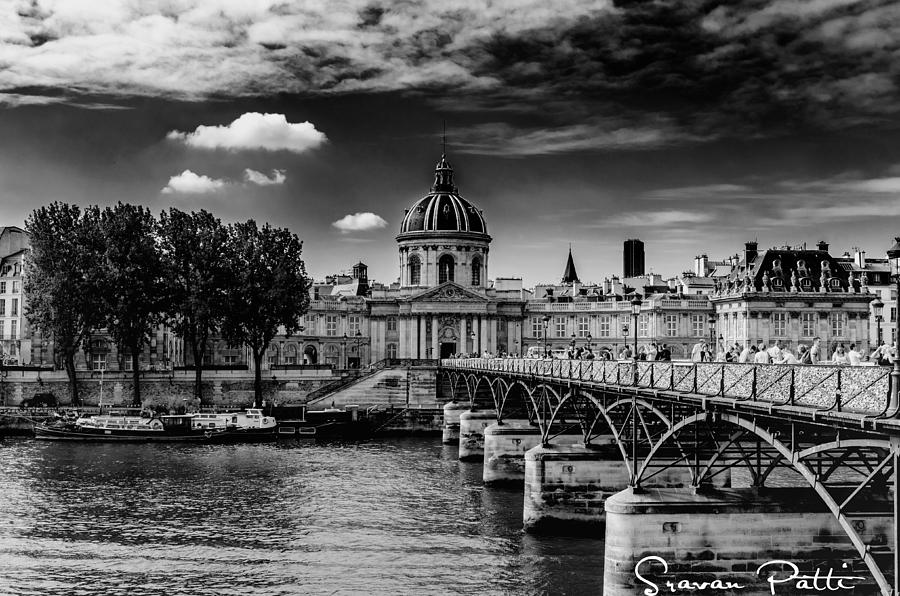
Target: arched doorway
x=310, y=355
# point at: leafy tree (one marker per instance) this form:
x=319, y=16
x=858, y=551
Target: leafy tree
x=195, y=271
x=268, y=289
x=62, y=280
x=134, y=294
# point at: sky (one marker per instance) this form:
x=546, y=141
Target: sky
x=692, y=125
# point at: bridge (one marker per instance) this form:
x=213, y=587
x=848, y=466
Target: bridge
x=800, y=461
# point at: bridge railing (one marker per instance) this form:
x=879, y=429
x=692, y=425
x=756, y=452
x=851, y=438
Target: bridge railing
x=859, y=389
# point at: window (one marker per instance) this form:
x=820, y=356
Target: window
x=559, y=326
x=2, y=307
x=415, y=270
x=643, y=325
x=290, y=354
x=12, y=329
x=584, y=327
x=476, y=271
x=893, y=314
x=838, y=324
x=353, y=322
x=537, y=327
x=2, y=330
x=808, y=324
x=779, y=324
x=671, y=325
x=446, y=264
x=15, y=287
x=14, y=307
x=331, y=325
x=392, y=350
x=272, y=356
x=2, y=287
x=698, y=325
x=392, y=323
x=98, y=361
x=604, y=325
x=230, y=359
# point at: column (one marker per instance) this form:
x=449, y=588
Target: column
x=492, y=341
x=477, y=346
x=463, y=340
x=423, y=338
x=402, y=328
x=485, y=342
x=435, y=346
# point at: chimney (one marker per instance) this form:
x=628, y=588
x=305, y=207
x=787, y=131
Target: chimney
x=701, y=265
x=822, y=245
x=750, y=252
x=860, y=258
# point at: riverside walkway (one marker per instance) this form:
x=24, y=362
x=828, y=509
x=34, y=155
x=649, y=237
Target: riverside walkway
x=676, y=432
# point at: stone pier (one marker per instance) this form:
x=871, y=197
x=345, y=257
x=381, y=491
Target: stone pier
x=566, y=486
x=726, y=535
x=504, y=450
x=452, y=411
x=471, y=433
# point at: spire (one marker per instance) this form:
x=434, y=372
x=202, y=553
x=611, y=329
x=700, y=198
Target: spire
x=570, y=276
x=443, y=171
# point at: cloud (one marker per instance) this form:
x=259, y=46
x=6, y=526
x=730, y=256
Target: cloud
x=188, y=182
x=360, y=222
x=664, y=217
x=269, y=132
x=254, y=177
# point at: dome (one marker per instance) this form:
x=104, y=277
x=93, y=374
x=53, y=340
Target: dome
x=443, y=210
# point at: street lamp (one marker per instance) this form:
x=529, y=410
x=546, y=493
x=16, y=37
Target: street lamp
x=572, y=345
x=589, y=342
x=635, y=311
x=712, y=336
x=546, y=320
x=344, y=349
x=894, y=259
x=358, y=337
x=877, y=310
x=473, y=337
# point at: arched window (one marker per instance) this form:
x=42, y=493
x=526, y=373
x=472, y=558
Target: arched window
x=445, y=269
x=415, y=270
x=476, y=271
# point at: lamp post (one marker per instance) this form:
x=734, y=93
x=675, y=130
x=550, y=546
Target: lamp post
x=546, y=320
x=344, y=349
x=572, y=345
x=877, y=310
x=358, y=337
x=635, y=311
x=712, y=337
x=473, y=337
x=590, y=343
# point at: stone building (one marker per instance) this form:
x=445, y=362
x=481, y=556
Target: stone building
x=15, y=338
x=793, y=295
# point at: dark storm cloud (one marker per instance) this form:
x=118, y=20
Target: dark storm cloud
x=636, y=73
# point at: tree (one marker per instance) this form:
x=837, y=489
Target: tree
x=134, y=295
x=268, y=289
x=62, y=280
x=192, y=248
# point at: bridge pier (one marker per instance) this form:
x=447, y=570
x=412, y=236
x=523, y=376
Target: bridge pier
x=727, y=535
x=452, y=410
x=471, y=433
x=504, y=450
x=566, y=486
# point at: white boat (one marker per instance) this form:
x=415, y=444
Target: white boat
x=251, y=422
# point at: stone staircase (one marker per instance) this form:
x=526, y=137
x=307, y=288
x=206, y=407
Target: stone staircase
x=386, y=388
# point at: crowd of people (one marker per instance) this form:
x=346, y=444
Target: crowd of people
x=776, y=353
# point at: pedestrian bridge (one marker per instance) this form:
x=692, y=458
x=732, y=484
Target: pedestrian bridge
x=830, y=432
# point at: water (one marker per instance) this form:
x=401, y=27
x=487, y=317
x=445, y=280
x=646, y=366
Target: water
x=394, y=516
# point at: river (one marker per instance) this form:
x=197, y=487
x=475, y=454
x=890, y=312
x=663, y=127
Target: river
x=386, y=517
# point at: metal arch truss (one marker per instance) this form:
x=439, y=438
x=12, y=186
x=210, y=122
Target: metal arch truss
x=852, y=471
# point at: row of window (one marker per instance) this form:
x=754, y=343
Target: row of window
x=13, y=330
x=606, y=326
x=13, y=308
x=13, y=286
x=446, y=270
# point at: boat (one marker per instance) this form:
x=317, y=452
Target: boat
x=249, y=425
x=123, y=429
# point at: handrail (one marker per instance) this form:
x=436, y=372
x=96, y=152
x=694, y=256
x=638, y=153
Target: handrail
x=856, y=389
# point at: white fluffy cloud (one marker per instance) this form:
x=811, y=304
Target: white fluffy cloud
x=270, y=132
x=254, y=177
x=188, y=182
x=360, y=222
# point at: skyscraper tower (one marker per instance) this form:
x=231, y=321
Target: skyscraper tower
x=633, y=258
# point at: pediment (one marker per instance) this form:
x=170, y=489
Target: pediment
x=448, y=292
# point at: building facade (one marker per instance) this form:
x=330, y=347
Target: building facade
x=15, y=338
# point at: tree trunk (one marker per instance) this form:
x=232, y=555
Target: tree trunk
x=257, y=378
x=69, y=360
x=135, y=377
x=198, y=371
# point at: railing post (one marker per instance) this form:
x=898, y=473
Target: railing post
x=695, y=377
x=722, y=382
x=837, y=397
x=793, y=381
x=753, y=385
